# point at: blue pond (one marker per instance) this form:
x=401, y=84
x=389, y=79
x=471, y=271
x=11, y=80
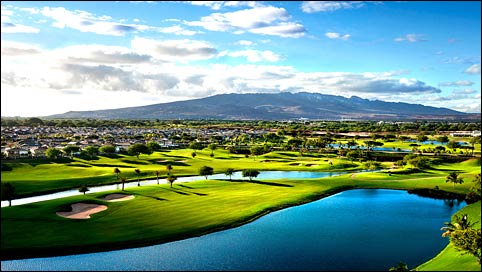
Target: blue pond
x=364, y=229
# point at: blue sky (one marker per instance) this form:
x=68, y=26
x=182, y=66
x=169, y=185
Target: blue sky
x=75, y=55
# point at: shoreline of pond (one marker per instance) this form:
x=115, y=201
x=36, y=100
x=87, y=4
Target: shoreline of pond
x=63, y=190
x=112, y=246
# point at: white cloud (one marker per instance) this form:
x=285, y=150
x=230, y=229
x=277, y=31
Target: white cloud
x=464, y=91
x=411, y=38
x=324, y=6
x=30, y=10
x=457, y=83
x=217, y=5
x=8, y=27
x=266, y=20
x=177, y=30
x=473, y=69
x=103, y=25
x=88, y=22
x=11, y=48
x=160, y=71
x=254, y=55
x=101, y=54
x=334, y=35
x=174, y=50
x=245, y=43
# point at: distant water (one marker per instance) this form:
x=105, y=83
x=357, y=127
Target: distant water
x=364, y=229
x=236, y=175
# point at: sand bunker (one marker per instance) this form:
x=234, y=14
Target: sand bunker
x=117, y=197
x=82, y=211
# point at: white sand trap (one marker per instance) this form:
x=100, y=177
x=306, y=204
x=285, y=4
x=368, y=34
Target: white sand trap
x=117, y=197
x=82, y=211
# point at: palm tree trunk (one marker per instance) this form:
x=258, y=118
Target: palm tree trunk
x=122, y=186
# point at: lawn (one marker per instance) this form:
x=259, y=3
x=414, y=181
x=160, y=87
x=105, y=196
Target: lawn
x=31, y=178
x=159, y=214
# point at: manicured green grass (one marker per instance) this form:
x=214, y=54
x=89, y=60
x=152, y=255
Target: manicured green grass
x=36, y=178
x=160, y=214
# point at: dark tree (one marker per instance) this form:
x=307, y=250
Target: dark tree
x=196, y=145
x=171, y=179
x=8, y=192
x=137, y=149
x=123, y=180
x=153, y=146
x=257, y=150
x=138, y=172
x=250, y=173
x=83, y=189
x=206, y=171
x=92, y=150
x=107, y=149
x=52, y=153
x=117, y=172
x=157, y=173
x=454, y=178
x=400, y=267
x=70, y=149
x=229, y=172
x=168, y=168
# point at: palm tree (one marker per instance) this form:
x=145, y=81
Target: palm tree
x=171, y=179
x=229, y=172
x=460, y=223
x=400, y=267
x=454, y=178
x=138, y=172
x=123, y=180
x=117, y=172
x=168, y=168
x=83, y=189
x=157, y=173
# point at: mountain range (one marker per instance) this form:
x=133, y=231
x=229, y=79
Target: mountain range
x=280, y=106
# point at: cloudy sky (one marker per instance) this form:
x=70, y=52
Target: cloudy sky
x=62, y=56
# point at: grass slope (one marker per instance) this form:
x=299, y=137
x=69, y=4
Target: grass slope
x=160, y=214
x=450, y=259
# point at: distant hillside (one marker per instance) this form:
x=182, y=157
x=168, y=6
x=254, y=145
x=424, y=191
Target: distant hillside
x=281, y=106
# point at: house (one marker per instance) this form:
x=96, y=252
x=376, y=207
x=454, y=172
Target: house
x=38, y=152
x=475, y=133
x=16, y=152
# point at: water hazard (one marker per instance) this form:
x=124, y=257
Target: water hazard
x=364, y=229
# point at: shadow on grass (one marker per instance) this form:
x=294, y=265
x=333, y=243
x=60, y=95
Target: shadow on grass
x=177, y=156
x=134, y=162
x=185, y=186
x=260, y=182
x=409, y=171
x=149, y=196
x=112, y=156
x=78, y=165
x=173, y=163
x=111, y=165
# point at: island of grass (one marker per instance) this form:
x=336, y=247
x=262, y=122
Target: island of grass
x=159, y=214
